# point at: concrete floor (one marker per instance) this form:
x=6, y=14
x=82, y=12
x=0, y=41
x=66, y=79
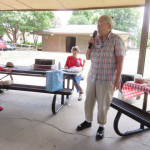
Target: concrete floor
x=27, y=123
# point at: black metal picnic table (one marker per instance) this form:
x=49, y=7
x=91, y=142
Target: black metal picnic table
x=140, y=115
x=65, y=93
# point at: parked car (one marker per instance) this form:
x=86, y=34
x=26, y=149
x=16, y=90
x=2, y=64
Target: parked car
x=6, y=46
x=2, y=44
x=10, y=46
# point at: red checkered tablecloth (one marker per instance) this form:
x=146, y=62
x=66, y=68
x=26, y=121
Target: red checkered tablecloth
x=131, y=89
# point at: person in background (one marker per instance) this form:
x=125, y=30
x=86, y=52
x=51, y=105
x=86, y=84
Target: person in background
x=106, y=55
x=1, y=108
x=75, y=61
x=7, y=70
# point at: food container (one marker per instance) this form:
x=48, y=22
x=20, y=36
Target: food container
x=148, y=84
x=139, y=79
x=147, y=80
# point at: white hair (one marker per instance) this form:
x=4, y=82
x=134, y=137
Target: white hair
x=75, y=48
x=108, y=19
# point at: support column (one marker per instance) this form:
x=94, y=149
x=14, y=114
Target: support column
x=144, y=38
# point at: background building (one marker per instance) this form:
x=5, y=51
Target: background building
x=63, y=38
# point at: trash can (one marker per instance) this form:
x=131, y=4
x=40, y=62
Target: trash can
x=124, y=78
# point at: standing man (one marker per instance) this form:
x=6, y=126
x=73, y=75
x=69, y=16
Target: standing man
x=106, y=55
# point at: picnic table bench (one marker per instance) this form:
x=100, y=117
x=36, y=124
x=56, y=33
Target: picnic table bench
x=137, y=114
x=57, y=104
x=55, y=107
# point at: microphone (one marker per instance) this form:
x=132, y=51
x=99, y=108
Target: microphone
x=94, y=35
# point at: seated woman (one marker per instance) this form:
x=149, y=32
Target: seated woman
x=7, y=70
x=74, y=61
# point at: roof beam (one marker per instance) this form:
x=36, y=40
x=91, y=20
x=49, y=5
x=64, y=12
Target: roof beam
x=24, y=4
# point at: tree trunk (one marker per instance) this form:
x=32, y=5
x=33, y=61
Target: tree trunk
x=24, y=40
x=35, y=38
x=15, y=36
x=12, y=33
x=8, y=34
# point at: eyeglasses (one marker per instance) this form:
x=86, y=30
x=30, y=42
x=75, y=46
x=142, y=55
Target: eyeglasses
x=101, y=22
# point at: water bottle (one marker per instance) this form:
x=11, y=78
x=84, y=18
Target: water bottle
x=59, y=66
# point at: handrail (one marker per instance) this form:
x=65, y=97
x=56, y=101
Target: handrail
x=24, y=46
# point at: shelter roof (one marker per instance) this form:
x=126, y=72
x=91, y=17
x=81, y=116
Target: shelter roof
x=67, y=4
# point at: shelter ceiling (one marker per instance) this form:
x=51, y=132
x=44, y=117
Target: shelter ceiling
x=66, y=4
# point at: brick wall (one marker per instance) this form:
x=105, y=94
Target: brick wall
x=57, y=43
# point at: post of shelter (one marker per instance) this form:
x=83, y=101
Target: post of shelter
x=144, y=38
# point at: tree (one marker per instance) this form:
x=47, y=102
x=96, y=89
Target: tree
x=15, y=21
x=36, y=20
x=80, y=17
x=1, y=31
x=125, y=19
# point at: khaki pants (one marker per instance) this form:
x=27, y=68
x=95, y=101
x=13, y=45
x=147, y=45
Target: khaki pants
x=102, y=93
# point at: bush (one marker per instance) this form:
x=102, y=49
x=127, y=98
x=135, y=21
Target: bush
x=39, y=44
x=9, y=42
x=28, y=43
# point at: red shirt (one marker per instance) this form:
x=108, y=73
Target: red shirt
x=71, y=61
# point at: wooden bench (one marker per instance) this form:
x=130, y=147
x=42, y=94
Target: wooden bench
x=31, y=88
x=133, y=112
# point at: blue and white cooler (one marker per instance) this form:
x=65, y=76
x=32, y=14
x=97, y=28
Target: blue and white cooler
x=54, y=80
